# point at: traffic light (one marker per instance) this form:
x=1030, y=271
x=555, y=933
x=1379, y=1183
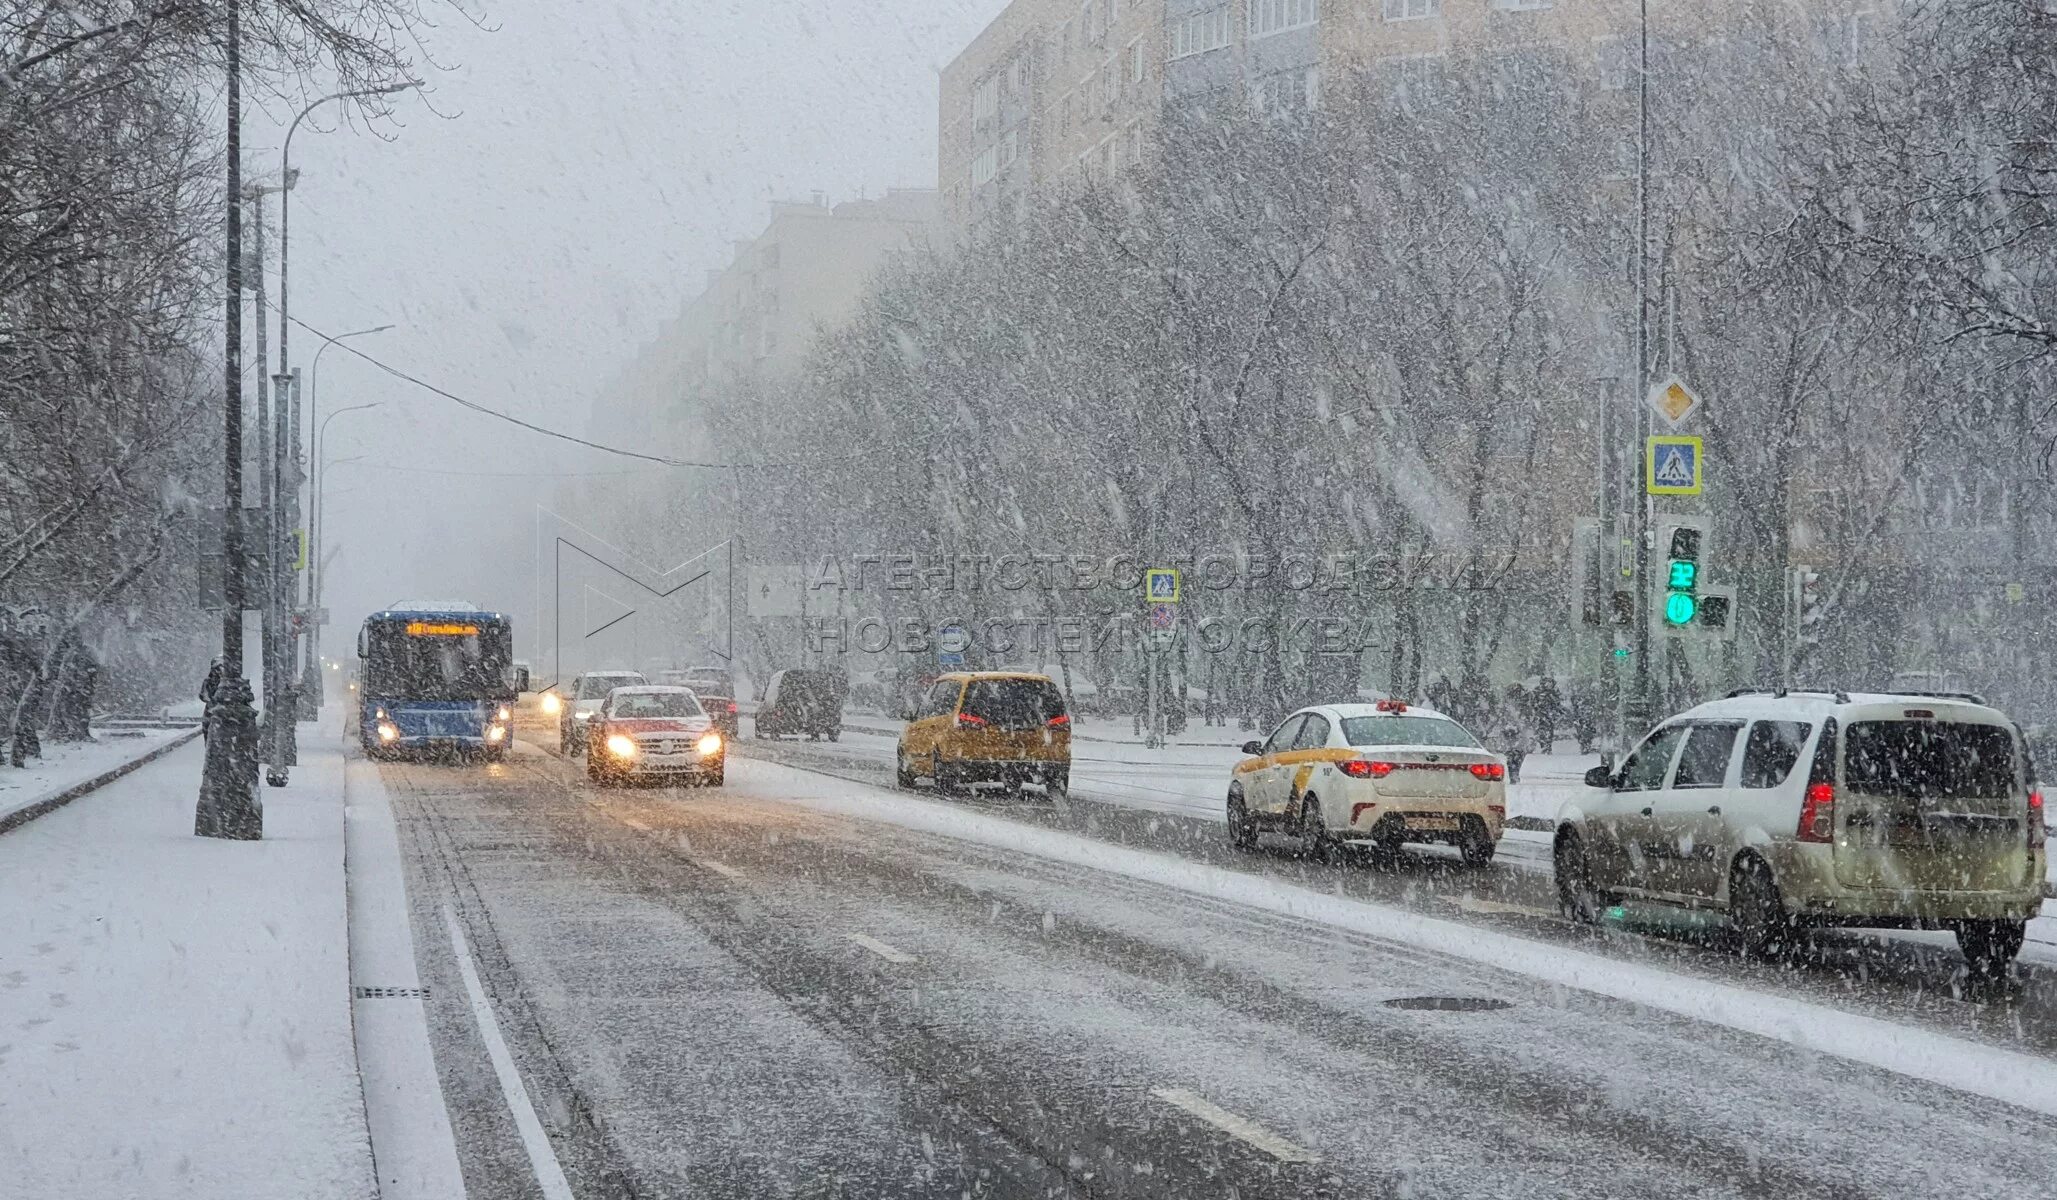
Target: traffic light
x=1683, y=541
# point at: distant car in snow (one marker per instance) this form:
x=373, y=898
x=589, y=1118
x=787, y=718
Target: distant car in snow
x=1793, y=809
x=584, y=698
x=717, y=693
x=1378, y=775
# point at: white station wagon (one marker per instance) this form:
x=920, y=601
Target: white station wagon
x=1914, y=811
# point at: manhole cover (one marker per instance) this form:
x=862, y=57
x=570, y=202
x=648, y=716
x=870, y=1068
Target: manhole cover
x=1449, y=1003
x=391, y=993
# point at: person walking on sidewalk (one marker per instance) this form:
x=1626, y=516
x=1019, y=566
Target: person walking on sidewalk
x=1547, y=704
x=1516, y=730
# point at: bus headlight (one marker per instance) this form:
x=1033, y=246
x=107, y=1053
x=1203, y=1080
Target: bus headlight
x=708, y=745
x=551, y=704
x=620, y=745
x=388, y=732
x=503, y=715
x=496, y=733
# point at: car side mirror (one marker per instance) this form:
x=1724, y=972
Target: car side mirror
x=521, y=679
x=1253, y=748
x=1600, y=777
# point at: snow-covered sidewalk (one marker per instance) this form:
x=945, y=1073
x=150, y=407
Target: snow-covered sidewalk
x=66, y=766
x=176, y=1010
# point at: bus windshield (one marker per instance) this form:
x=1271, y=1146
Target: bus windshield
x=473, y=665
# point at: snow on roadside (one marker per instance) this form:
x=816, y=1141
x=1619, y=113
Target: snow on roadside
x=1957, y=1063
x=65, y=765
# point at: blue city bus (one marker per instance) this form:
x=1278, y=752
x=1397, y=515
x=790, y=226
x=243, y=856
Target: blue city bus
x=437, y=679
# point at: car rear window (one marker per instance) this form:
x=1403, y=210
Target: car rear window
x=1014, y=703
x=1771, y=751
x=1405, y=731
x=1929, y=759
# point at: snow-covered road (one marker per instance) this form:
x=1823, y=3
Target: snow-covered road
x=807, y=984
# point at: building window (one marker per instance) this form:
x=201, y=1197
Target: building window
x=1412, y=10
x=1200, y=33
x=1010, y=148
x=1135, y=142
x=1284, y=93
x=1018, y=75
x=1842, y=40
x=985, y=166
x=985, y=101
x=1276, y=16
x=1135, y=61
x=1411, y=74
x=1064, y=114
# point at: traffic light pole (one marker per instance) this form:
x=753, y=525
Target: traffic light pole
x=1639, y=710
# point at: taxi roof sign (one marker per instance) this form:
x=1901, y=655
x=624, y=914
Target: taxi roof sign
x=1672, y=466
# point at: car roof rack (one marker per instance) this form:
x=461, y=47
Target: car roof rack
x=1842, y=697
x=1967, y=697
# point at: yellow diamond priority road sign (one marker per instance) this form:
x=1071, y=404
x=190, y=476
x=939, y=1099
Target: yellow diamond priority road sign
x=1674, y=401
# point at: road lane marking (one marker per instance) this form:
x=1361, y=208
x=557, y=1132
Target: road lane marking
x=722, y=869
x=634, y=824
x=1235, y=1126
x=542, y=1159
x=879, y=948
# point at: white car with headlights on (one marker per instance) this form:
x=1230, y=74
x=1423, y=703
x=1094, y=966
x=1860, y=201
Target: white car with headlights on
x=651, y=732
x=581, y=703
x=1370, y=774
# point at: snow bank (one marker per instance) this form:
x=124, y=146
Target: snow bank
x=1967, y=1066
x=177, y=1009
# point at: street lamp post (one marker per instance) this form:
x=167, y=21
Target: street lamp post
x=314, y=566
x=228, y=805
x=289, y=493
x=310, y=674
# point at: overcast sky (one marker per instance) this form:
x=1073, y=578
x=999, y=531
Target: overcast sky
x=602, y=156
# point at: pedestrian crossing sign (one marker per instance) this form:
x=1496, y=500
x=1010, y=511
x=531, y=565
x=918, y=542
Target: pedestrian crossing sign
x=1672, y=466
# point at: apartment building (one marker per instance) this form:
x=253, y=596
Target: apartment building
x=756, y=317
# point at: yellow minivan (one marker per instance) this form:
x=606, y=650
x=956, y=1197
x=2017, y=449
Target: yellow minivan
x=1003, y=727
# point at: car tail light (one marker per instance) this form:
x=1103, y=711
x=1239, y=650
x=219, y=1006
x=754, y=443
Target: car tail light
x=2036, y=830
x=1818, y=813
x=732, y=706
x=1060, y=719
x=970, y=721
x=1489, y=770
x=1362, y=768
x=1818, y=803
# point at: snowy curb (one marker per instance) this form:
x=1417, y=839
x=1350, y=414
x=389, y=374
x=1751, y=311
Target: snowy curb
x=42, y=806
x=1982, y=1069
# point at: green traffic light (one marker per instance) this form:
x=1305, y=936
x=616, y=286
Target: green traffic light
x=1684, y=574
x=1679, y=608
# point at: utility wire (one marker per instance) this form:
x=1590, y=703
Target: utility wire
x=531, y=426
x=376, y=466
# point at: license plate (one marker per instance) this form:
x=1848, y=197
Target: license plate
x=1432, y=823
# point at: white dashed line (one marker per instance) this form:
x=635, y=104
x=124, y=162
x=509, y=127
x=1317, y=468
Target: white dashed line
x=879, y=948
x=636, y=825
x=542, y=1159
x=722, y=869
x=1235, y=1126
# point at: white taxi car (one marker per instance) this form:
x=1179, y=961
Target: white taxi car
x=1379, y=774
x=654, y=730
